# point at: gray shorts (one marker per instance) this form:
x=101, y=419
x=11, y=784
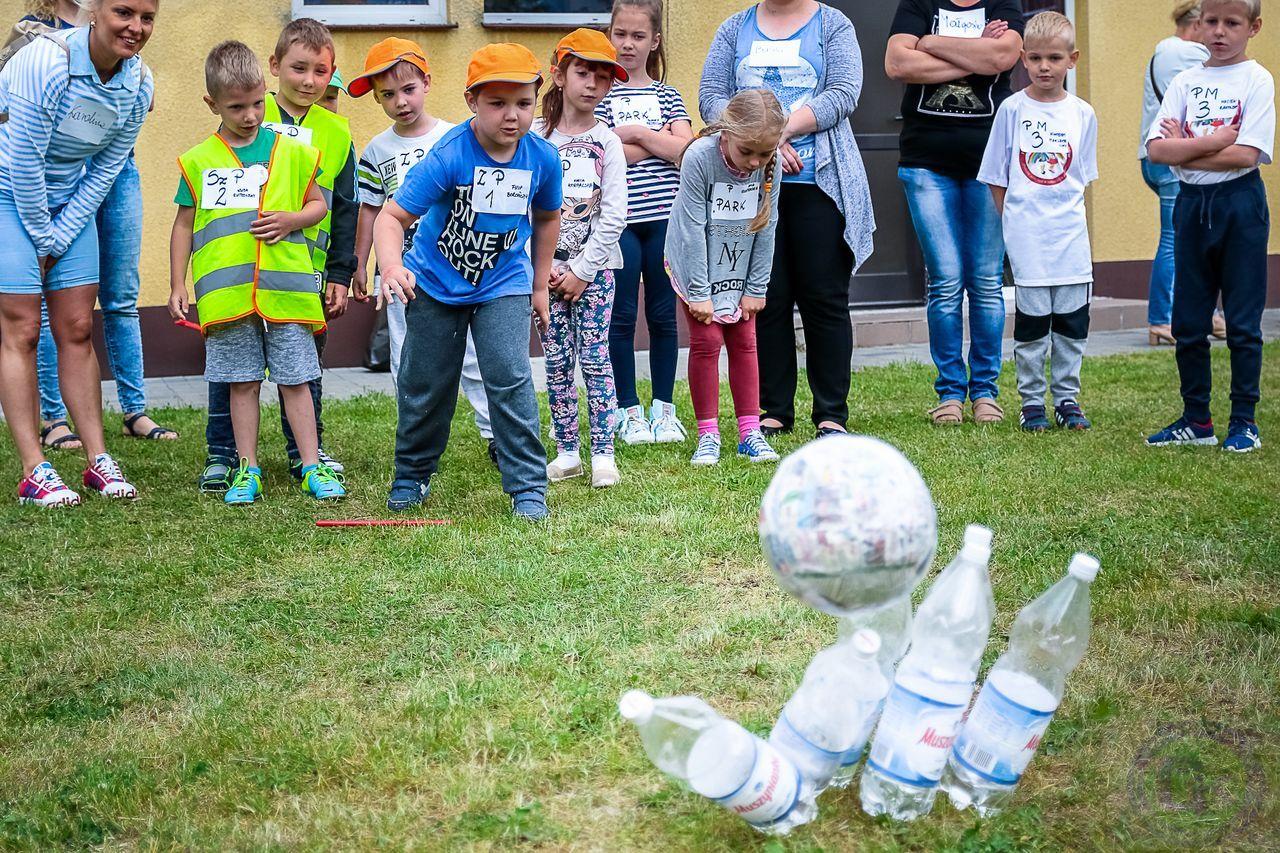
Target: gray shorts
x=245, y=350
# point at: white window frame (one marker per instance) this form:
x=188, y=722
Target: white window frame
x=564, y=20
x=429, y=13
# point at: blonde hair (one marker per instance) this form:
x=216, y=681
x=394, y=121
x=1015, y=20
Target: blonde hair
x=231, y=65
x=47, y=10
x=1252, y=7
x=1048, y=26
x=307, y=32
x=752, y=114
x=1186, y=12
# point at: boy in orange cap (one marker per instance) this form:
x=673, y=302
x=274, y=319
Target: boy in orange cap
x=482, y=192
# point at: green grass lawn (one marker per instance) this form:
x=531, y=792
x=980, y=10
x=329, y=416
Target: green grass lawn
x=180, y=673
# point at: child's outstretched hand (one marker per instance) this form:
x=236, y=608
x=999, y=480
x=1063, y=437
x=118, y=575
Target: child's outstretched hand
x=398, y=283
x=179, y=301
x=567, y=285
x=703, y=311
x=274, y=226
x=750, y=306
x=360, y=285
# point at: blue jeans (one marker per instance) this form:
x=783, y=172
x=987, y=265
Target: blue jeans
x=959, y=231
x=1160, y=292
x=119, y=224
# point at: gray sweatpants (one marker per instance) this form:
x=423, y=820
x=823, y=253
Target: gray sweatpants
x=1050, y=324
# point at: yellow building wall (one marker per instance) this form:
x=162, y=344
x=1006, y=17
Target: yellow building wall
x=1116, y=40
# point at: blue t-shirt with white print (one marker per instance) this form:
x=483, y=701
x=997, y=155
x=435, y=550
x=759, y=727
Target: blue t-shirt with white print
x=475, y=223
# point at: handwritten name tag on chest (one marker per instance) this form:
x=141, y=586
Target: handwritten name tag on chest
x=735, y=201
x=580, y=179
x=774, y=54
x=637, y=109
x=501, y=191
x=1037, y=134
x=88, y=121
x=968, y=24
x=404, y=161
x=290, y=131
x=232, y=189
x=1209, y=108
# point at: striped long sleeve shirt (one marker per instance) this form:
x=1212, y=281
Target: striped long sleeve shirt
x=67, y=136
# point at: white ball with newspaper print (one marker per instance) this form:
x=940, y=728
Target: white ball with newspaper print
x=848, y=524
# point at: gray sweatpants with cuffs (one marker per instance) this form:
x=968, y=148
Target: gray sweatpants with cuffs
x=1051, y=324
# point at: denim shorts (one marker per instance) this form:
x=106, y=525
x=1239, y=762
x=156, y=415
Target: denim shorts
x=251, y=350
x=20, y=265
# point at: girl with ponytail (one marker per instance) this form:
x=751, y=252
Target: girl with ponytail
x=719, y=255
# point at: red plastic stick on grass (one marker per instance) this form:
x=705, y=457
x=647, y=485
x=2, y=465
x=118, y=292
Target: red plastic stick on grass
x=384, y=522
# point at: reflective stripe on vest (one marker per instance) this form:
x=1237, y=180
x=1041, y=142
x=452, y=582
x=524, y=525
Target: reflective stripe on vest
x=236, y=274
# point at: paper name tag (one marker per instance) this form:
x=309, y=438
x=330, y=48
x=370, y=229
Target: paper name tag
x=501, y=191
x=88, y=121
x=405, y=161
x=735, y=201
x=1039, y=135
x=232, y=189
x=1208, y=108
x=580, y=178
x=774, y=54
x=968, y=24
x=290, y=131
x=637, y=109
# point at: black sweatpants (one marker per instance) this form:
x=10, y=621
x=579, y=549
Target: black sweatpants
x=1220, y=248
x=811, y=268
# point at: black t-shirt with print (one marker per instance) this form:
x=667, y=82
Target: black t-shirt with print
x=945, y=125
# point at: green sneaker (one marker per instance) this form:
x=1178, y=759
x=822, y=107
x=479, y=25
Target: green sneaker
x=321, y=483
x=216, y=476
x=246, y=487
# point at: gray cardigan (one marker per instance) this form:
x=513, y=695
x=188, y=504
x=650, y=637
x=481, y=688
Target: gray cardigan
x=840, y=171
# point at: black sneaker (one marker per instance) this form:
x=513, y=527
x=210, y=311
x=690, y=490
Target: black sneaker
x=771, y=431
x=493, y=453
x=823, y=432
x=1069, y=415
x=215, y=479
x=1033, y=419
x=407, y=494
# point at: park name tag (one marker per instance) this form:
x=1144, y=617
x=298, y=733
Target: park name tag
x=580, y=178
x=774, y=54
x=290, y=131
x=88, y=121
x=967, y=24
x=232, y=189
x=735, y=201
x=1037, y=134
x=501, y=191
x=637, y=109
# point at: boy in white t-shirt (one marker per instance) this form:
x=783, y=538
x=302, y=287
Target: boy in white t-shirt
x=1041, y=155
x=1216, y=126
x=397, y=73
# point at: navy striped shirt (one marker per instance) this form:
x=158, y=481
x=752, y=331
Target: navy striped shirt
x=67, y=136
x=651, y=182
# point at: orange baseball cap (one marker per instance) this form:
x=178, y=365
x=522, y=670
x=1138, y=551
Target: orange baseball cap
x=592, y=46
x=382, y=56
x=503, y=63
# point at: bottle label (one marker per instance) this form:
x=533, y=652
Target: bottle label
x=770, y=792
x=813, y=762
x=1000, y=736
x=915, y=737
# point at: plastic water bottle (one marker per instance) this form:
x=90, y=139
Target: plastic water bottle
x=830, y=714
x=932, y=687
x=685, y=738
x=1022, y=691
x=893, y=624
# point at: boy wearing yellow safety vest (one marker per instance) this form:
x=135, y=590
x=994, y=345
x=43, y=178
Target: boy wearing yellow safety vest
x=304, y=61
x=245, y=201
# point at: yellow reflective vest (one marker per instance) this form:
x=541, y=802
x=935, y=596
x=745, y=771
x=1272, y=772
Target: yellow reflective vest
x=235, y=274
x=331, y=134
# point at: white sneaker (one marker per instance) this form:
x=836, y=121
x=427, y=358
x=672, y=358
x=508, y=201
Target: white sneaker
x=667, y=428
x=635, y=428
x=604, y=471
x=708, y=452
x=564, y=467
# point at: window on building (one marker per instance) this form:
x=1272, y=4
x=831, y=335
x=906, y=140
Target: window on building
x=373, y=13
x=546, y=13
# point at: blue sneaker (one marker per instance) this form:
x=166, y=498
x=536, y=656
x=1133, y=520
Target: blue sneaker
x=530, y=505
x=321, y=483
x=246, y=487
x=1183, y=431
x=708, y=450
x=1242, y=436
x=754, y=447
x=1033, y=419
x=407, y=494
x=1069, y=415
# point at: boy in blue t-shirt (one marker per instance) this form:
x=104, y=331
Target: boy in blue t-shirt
x=480, y=194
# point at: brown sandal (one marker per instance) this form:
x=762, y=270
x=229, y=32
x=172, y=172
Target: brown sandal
x=987, y=411
x=948, y=413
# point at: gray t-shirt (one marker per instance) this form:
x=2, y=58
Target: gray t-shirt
x=710, y=252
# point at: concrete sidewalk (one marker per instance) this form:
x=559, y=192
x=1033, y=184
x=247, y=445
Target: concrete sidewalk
x=343, y=383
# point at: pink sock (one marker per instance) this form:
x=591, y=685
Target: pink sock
x=746, y=423
x=709, y=425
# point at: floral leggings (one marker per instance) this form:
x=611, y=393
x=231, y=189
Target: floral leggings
x=580, y=332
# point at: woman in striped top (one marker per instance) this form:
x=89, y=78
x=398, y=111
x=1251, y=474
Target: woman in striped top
x=75, y=104
x=650, y=119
